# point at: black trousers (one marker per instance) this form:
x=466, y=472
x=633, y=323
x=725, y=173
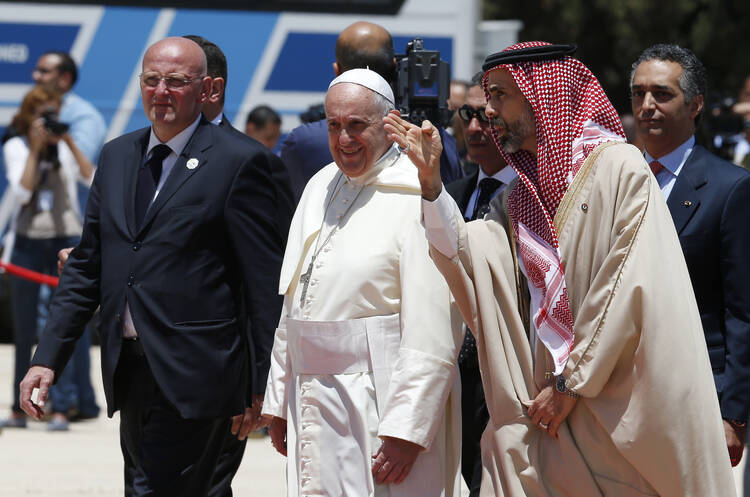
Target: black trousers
x=474, y=417
x=165, y=454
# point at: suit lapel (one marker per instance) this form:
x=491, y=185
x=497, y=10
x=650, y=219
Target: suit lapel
x=131, y=164
x=225, y=122
x=471, y=185
x=195, y=150
x=685, y=197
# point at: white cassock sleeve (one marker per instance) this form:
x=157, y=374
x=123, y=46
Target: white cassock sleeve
x=431, y=334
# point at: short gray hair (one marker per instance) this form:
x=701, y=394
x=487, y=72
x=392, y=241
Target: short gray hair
x=693, y=78
x=382, y=104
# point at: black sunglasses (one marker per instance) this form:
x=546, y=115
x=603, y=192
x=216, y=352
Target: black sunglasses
x=468, y=113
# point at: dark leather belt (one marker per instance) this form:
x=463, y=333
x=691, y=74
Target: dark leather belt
x=132, y=347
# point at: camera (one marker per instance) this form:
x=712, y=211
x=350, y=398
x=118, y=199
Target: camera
x=313, y=113
x=422, y=85
x=53, y=125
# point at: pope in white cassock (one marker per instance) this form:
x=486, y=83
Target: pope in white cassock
x=363, y=388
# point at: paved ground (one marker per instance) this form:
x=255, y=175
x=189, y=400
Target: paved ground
x=86, y=460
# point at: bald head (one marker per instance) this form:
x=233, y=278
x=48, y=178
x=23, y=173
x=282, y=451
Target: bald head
x=174, y=85
x=365, y=45
x=189, y=53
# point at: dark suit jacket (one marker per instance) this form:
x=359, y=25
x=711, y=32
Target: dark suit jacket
x=709, y=205
x=208, y=238
x=461, y=190
x=285, y=201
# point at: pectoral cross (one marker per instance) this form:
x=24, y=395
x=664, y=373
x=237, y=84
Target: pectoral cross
x=305, y=280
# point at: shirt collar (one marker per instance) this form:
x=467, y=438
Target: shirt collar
x=217, y=120
x=178, y=142
x=674, y=160
x=505, y=175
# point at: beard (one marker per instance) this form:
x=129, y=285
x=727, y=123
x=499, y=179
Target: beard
x=516, y=132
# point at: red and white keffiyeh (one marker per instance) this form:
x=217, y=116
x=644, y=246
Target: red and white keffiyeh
x=573, y=116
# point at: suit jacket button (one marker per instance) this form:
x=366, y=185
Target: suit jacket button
x=136, y=246
x=131, y=280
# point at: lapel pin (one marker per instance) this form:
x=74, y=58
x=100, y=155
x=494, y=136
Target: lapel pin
x=584, y=207
x=687, y=203
x=192, y=163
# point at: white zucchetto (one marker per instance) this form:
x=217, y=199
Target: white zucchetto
x=367, y=78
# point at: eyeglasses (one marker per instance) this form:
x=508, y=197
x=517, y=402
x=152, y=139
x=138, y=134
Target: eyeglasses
x=468, y=113
x=42, y=70
x=172, y=81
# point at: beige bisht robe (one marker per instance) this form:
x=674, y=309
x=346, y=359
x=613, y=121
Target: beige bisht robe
x=372, y=351
x=648, y=421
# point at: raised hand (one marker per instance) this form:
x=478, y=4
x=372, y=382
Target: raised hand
x=423, y=146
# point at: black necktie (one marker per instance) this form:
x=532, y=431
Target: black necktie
x=487, y=187
x=468, y=355
x=148, y=177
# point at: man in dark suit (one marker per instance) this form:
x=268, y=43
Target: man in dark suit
x=708, y=198
x=179, y=229
x=473, y=195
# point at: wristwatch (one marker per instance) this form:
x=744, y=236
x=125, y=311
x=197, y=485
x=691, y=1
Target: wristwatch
x=560, y=387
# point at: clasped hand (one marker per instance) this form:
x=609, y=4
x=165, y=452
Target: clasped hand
x=250, y=420
x=550, y=408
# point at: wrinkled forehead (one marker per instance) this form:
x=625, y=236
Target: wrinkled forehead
x=500, y=77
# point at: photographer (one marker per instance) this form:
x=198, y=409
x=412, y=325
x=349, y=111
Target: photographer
x=43, y=165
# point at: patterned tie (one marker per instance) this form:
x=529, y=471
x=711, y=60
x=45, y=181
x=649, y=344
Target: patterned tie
x=487, y=187
x=656, y=166
x=148, y=177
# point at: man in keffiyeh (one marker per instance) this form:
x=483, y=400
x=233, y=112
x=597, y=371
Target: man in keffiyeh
x=614, y=395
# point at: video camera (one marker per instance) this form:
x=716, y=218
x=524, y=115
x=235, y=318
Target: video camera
x=722, y=126
x=54, y=126
x=422, y=85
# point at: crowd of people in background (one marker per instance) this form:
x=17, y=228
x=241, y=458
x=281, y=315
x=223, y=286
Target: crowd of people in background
x=449, y=294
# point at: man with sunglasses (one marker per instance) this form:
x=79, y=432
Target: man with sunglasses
x=179, y=236
x=473, y=195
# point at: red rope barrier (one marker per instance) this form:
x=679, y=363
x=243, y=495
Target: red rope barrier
x=28, y=274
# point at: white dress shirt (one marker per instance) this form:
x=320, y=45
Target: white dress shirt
x=504, y=176
x=672, y=163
